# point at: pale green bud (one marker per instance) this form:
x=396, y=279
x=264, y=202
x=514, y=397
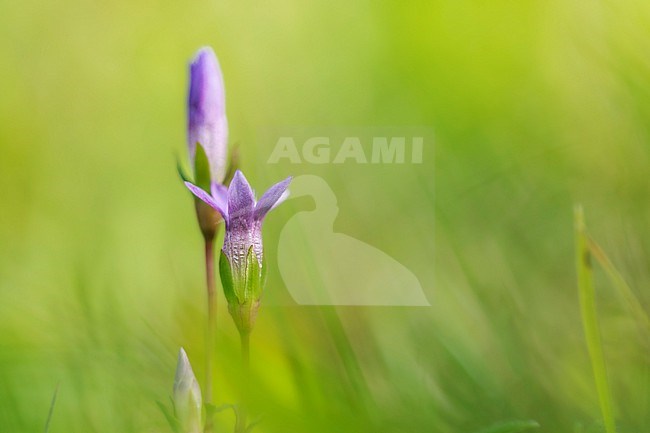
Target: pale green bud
x=187, y=396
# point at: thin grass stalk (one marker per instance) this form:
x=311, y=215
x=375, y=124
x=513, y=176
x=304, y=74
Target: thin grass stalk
x=590, y=320
x=51, y=411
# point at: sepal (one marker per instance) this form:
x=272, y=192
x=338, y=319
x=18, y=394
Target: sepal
x=201, y=168
x=243, y=289
x=227, y=281
x=253, y=276
x=181, y=170
x=264, y=274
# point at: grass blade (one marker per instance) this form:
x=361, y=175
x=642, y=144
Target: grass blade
x=619, y=282
x=51, y=411
x=590, y=319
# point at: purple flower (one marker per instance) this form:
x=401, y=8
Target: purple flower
x=242, y=260
x=206, y=122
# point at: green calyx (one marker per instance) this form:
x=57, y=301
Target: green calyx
x=244, y=315
x=201, y=168
x=243, y=289
x=207, y=217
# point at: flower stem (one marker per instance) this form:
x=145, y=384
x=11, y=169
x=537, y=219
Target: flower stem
x=212, y=322
x=245, y=357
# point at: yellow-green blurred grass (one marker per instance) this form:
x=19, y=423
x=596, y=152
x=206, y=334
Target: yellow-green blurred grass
x=586, y=250
x=535, y=106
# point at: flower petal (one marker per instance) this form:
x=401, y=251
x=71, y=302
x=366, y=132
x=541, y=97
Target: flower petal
x=285, y=195
x=241, y=199
x=271, y=197
x=206, y=198
x=220, y=196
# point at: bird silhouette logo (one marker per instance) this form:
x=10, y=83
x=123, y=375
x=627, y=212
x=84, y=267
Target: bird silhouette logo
x=322, y=267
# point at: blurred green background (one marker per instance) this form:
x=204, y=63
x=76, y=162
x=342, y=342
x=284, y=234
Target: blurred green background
x=535, y=106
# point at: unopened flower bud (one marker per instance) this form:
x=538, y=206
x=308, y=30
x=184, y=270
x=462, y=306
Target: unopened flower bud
x=187, y=396
x=207, y=125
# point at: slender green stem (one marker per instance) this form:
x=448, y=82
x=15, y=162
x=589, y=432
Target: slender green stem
x=590, y=320
x=49, y=414
x=245, y=352
x=211, y=326
x=245, y=357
